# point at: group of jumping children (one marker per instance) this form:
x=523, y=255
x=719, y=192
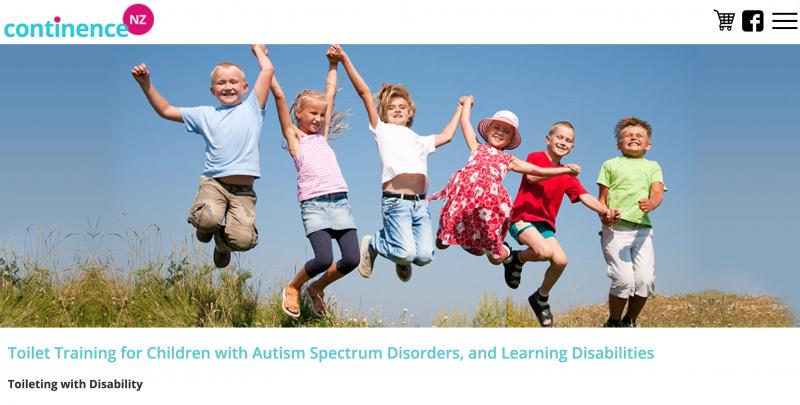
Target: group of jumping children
x=477, y=212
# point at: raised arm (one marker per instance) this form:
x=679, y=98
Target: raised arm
x=450, y=129
x=466, y=125
x=359, y=84
x=156, y=100
x=521, y=166
x=656, y=197
x=284, y=116
x=330, y=86
x=262, y=85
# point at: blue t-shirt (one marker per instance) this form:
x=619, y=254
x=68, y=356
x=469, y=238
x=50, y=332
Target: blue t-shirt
x=231, y=134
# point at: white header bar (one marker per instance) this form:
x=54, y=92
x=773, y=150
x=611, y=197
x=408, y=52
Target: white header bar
x=403, y=22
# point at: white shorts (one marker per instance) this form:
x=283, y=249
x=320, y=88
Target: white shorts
x=628, y=250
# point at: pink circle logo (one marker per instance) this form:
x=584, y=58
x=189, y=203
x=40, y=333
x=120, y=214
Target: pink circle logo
x=138, y=18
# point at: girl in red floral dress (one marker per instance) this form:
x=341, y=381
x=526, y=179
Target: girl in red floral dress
x=477, y=207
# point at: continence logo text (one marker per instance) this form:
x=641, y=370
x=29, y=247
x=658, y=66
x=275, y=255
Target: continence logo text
x=136, y=20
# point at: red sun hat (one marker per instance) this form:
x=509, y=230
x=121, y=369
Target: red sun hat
x=504, y=116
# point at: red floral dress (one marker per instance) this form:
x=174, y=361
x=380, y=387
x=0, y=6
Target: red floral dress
x=477, y=208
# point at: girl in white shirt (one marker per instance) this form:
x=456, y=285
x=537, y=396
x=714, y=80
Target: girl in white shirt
x=407, y=234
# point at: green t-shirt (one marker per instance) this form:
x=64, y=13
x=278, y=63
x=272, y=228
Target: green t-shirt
x=628, y=181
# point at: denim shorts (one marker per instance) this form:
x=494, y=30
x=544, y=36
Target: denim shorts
x=329, y=211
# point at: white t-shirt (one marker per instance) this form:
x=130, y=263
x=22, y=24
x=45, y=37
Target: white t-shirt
x=402, y=150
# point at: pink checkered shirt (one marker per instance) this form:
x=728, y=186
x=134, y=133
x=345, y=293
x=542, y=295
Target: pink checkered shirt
x=318, y=171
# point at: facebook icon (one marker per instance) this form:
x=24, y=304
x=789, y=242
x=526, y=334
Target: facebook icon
x=753, y=20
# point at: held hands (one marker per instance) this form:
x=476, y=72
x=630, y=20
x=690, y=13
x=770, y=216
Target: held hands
x=610, y=217
x=466, y=101
x=141, y=74
x=334, y=54
x=573, y=169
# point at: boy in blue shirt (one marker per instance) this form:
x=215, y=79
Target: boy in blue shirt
x=231, y=132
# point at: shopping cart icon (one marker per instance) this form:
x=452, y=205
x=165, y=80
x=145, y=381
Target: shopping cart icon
x=725, y=20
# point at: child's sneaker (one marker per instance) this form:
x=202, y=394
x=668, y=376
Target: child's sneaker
x=627, y=322
x=512, y=268
x=403, y=272
x=613, y=323
x=222, y=253
x=221, y=258
x=368, y=255
x=203, y=236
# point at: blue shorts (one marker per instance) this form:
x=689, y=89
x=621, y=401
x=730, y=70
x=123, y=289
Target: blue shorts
x=329, y=211
x=544, y=229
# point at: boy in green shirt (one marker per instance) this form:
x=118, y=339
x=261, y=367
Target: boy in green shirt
x=634, y=186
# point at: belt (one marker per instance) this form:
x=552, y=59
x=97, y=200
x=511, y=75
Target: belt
x=410, y=197
x=235, y=188
x=333, y=197
x=632, y=225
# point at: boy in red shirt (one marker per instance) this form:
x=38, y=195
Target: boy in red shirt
x=533, y=218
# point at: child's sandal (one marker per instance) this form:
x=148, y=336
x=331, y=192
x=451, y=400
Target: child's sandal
x=512, y=275
x=312, y=303
x=542, y=312
x=512, y=270
x=284, y=306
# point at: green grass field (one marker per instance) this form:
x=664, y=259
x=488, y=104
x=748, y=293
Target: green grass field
x=174, y=293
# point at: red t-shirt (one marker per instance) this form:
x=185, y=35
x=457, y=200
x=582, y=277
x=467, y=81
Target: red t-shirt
x=539, y=202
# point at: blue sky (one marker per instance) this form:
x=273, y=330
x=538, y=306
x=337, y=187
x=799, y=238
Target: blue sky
x=84, y=152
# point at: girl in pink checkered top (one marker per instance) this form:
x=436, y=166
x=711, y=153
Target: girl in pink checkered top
x=321, y=190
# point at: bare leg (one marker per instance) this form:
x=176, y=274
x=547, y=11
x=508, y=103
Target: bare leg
x=348, y=246
x=635, y=305
x=317, y=289
x=539, y=250
x=615, y=307
x=293, y=290
x=558, y=262
x=328, y=277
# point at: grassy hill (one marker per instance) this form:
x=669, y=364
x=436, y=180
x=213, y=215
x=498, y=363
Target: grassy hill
x=176, y=294
x=704, y=309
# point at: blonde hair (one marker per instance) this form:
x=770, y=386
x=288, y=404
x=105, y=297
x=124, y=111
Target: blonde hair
x=389, y=91
x=560, y=124
x=633, y=122
x=225, y=65
x=337, y=122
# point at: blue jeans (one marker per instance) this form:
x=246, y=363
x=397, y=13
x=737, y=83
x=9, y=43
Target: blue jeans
x=407, y=235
